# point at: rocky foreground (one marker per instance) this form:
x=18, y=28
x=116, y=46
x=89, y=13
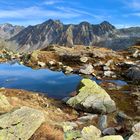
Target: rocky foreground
x=93, y=112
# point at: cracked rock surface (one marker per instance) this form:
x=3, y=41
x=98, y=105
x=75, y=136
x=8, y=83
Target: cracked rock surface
x=4, y=104
x=92, y=98
x=20, y=124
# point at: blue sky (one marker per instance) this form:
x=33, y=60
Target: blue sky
x=121, y=13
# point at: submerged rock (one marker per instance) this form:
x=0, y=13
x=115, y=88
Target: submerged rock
x=20, y=124
x=92, y=98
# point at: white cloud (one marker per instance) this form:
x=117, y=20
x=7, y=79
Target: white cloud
x=132, y=4
x=119, y=26
x=48, y=9
x=136, y=14
x=135, y=4
x=52, y=2
x=36, y=12
x=81, y=12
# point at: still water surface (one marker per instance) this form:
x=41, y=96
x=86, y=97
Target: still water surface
x=54, y=84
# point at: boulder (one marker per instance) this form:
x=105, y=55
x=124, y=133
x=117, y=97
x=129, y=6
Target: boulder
x=41, y=64
x=88, y=117
x=67, y=126
x=136, y=130
x=20, y=124
x=93, y=133
x=109, y=131
x=133, y=74
x=5, y=106
x=106, y=68
x=60, y=64
x=136, y=54
x=92, y=98
x=67, y=69
x=97, y=64
x=103, y=122
x=87, y=69
x=109, y=62
x=72, y=135
x=127, y=64
x=115, y=137
x=83, y=59
x=109, y=73
x=123, y=116
x=51, y=63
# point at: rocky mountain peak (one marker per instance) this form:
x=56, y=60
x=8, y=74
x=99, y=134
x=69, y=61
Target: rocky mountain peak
x=107, y=25
x=8, y=30
x=87, y=34
x=85, y=23
x=51, y=21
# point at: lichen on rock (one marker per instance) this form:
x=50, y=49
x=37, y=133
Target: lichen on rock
x=20, y=124
x=92, y=98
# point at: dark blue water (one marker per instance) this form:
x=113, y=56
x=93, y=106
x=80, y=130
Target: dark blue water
x=54, y=84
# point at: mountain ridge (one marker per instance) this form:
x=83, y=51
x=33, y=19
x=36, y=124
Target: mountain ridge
x=55, y=32
x=8, y=30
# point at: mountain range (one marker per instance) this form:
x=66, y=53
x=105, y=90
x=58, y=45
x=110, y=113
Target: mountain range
x=8, y=30
x=55, y=32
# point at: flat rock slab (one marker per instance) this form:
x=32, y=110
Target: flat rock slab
x=20, y=124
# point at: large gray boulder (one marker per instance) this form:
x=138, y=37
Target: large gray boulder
x=20, y=124
x=87, y=69
x=133, y=74
x=92, y=98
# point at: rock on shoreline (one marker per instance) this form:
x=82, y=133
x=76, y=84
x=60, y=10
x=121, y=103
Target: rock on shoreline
x=92, y=98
